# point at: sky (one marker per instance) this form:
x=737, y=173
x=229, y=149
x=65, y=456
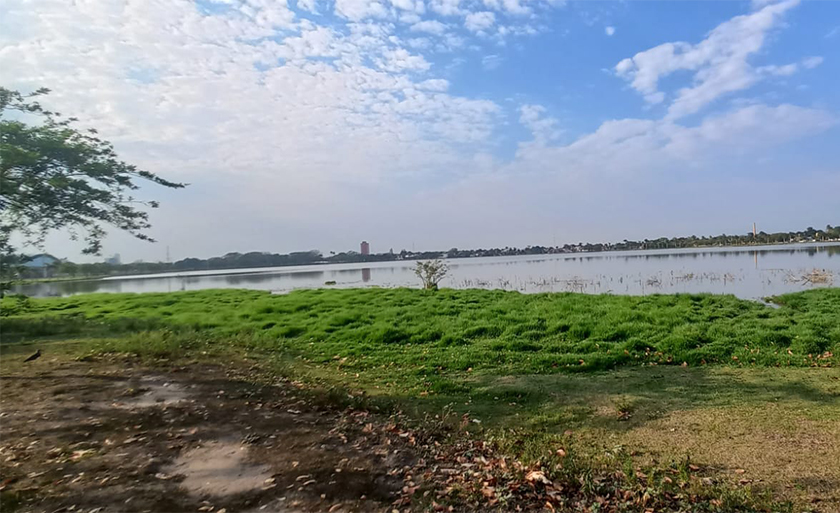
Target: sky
x=432, y=124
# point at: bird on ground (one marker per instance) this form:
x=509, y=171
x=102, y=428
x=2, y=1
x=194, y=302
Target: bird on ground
x=34, y=356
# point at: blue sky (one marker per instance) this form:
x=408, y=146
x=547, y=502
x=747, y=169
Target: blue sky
x=440, y=123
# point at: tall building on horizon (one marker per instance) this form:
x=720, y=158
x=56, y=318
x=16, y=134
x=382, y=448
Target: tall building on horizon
x=365, y=248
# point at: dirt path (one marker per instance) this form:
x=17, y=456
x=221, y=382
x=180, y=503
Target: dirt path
x=115, y=437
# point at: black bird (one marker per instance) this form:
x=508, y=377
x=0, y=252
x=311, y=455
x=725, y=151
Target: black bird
x=34, y=356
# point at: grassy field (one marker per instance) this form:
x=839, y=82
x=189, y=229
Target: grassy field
x=749, y=390
x=428, y=333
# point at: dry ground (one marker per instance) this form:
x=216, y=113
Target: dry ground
x=112, y=436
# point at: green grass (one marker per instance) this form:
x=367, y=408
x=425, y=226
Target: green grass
x=531, y=368
x=453, y=330
x=452, y=344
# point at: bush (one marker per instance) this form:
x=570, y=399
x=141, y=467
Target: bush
x=431, y=272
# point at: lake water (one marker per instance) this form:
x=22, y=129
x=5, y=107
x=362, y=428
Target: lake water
x=748, y=272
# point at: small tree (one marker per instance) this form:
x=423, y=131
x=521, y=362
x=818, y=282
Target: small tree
x=431, y=272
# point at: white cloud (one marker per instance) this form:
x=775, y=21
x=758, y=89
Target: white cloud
x=399, y=59
x=812, y=62
x=719, y=61
x=314, y=92
x=357, y=10
x=789, y=69
x=420, y=43
x=833, y=32
x=491, y=62
x=632, y=146
x=430, y=26
x=451, y=42
x=479, y=21
x=410, y=5
x=628, y=172
x=779, y=71
x=434, y=84
x=410, y=18
x=446, y=7
x=609, y=31
x=544, y=129
x=515, y=7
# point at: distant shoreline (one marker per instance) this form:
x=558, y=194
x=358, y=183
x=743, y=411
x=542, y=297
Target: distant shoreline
x=186, y=273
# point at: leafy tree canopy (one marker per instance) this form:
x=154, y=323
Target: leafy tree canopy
x=54, y=176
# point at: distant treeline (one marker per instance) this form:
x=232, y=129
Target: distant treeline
x=314, y=257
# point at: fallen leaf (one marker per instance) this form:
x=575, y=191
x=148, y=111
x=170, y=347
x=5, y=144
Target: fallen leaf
x=537, y=476
x=77, y=455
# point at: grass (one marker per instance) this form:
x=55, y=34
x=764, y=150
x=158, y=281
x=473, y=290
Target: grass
x=734, y=384
x=429, y=333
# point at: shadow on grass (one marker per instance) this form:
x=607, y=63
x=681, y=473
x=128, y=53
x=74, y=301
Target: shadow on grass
x=624, y=399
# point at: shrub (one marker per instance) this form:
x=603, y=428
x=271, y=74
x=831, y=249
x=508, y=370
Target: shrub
x=431, y=272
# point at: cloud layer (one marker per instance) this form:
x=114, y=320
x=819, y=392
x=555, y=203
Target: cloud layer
x=289, y=116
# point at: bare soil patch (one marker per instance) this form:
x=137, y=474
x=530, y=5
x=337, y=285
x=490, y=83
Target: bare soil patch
x=219, y=469
x=111, y=436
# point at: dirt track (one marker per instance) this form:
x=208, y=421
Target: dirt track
x=112, y=436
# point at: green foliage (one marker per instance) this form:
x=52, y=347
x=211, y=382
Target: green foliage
x=16, y=304
x=431, y=335
x=54, y=176
x=431, y=272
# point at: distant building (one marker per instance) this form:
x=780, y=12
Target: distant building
x=114, y=260
x=365, y=249
x=43, y=262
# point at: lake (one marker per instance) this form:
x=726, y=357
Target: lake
x=747, y=272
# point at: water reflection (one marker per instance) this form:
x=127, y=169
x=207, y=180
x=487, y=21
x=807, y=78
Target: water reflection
x=745, y=272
